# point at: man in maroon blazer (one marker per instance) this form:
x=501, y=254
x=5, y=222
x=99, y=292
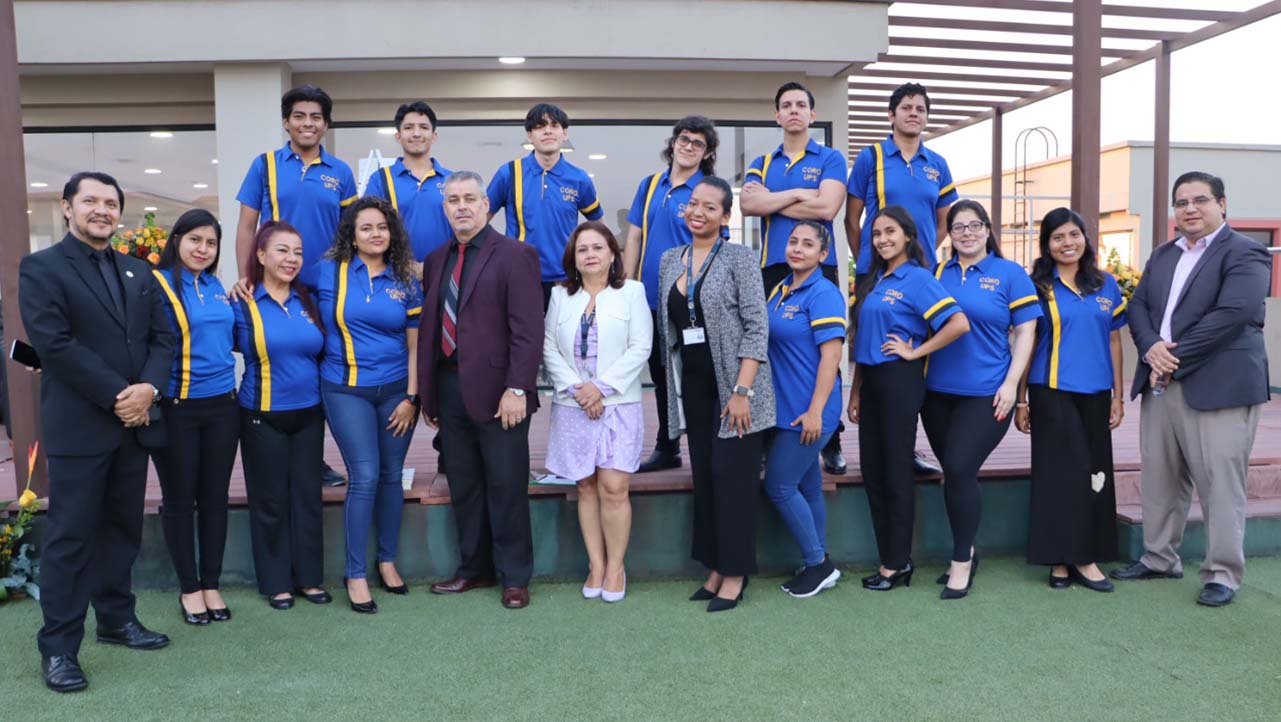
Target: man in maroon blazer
x=480, y=339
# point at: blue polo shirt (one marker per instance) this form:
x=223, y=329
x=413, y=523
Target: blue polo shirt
x=281, y=345
x=995, y=294
x=659, y=211
x=367, y=318
x=800, y=320
x=420, y=202
x=777, y=173
x=201, y=317
x=908, y=302
x=1073, y=337
x=310, y=198
x=881, y=177
x=543, y=206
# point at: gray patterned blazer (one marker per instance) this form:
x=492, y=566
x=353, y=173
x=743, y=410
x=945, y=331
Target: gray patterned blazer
x=733, y=299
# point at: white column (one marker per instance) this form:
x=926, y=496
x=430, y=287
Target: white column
x=247, y=116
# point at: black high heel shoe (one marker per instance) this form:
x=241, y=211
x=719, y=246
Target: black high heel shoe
x=220, y=615
x=402, y=589
x=369, y=607
x=881, y=583
x=282, y=603
x=720, y=604
x=197, y=618
x=950, y=593
x=702, y=594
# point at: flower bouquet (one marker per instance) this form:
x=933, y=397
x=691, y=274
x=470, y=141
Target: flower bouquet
x=1126, y=277
x=145, y=241
x=17, y=569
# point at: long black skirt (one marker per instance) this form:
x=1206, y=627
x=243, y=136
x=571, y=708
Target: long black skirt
x=1073, y=505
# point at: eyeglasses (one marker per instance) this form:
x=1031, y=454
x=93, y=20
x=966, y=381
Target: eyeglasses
x=972, y=227
x=1199, y=201
x=687, y=142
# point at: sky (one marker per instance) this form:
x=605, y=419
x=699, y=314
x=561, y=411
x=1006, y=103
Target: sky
x=1223, y=90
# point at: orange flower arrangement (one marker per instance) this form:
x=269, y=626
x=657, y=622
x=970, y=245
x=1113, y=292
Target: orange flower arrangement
x=145, y=241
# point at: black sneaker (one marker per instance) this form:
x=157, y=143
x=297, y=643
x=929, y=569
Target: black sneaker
x=814, y=580
x=329, y=477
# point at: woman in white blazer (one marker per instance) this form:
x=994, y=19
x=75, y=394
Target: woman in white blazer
x=597, y=341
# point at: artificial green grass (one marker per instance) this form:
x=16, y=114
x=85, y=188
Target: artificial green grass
x=1013, y=650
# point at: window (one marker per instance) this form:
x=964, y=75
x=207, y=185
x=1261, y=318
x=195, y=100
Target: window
x=187, y=177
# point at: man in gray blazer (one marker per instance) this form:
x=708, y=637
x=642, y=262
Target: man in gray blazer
x=1197, y=320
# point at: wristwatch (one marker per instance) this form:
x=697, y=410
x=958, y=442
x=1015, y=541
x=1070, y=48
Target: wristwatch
x=414, y=399
x=155, y=396
x=744, y=390
x=518, y=393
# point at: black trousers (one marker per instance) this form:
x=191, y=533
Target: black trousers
x=727, y=482
x=773, y=275
x=963, y=432
x=195, y=470
x=1068, y=521
x=488, y=473
x=282, y=452
x=92, y=534
x=889, y=400
x=658, y=372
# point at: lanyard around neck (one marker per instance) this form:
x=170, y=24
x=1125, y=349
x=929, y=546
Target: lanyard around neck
x=692, y=281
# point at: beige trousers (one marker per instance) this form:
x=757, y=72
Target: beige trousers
x=1209, y=451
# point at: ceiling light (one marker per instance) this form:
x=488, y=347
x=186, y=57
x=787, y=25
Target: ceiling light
x=118, y=225
x=591, y=175
x=597, y=156
x=152, y=171
x=39, y=184
x=511, y=60
x=200, y=186
x=150, y=208
x=161, y=134
x=386, y=131
x=214, y=161
x=527, y=146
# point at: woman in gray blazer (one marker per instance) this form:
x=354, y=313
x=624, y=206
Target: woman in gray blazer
x=715, y=334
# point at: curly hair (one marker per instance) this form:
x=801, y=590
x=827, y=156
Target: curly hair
x=399, y=255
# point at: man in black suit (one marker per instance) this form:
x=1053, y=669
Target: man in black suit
x=97, y=322
x=1197, y=320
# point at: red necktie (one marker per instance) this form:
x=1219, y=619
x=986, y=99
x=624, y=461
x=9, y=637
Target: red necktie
x=449, y=320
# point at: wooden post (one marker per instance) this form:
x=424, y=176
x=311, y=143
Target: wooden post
x=1087, y=76
x=1161, y=153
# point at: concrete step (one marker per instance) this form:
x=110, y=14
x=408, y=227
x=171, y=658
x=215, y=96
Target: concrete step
x=1266, y=508
x=1263, y=482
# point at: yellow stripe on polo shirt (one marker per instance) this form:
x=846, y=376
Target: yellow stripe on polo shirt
x=391, y=187
x=947, y=189
x=829, y=319
x=184, y=328
x=518, y=179
x=260, y=350
x=1021, y=302
x=649, y=196
x=1120, y=308
x=879, y=152
x=340, y=319
x=272, y=186
x=595, y=204
x=1056, y=335
x=938, y=307
x=765, y=221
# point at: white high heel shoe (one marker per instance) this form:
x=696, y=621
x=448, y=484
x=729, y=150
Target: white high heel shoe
x=591, y=592
x=612, y=597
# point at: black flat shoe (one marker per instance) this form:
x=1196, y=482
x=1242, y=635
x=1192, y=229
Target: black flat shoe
x=1060, y=582
x=950, y=593
x=1102, y=585
x=320, y=597
x=1214, y=594
x=220, y=615
x=197, y=618
x=880, y=583
x=660, y=460
x=62, y=673
x=402, y=589
x=834, y=462
x=1141, y=571
x=285, y=603
x=369, y=607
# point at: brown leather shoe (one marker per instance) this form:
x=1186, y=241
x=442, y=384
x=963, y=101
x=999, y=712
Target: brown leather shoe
x=516, y=597
x=458, y=585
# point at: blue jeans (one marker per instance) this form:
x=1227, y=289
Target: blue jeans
x=358, y=417
x=794, y=482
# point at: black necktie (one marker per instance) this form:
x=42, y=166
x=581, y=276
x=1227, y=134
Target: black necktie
x=108, y=271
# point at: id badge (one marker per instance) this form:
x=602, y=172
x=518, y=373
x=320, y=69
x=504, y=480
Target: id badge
x=694, y=336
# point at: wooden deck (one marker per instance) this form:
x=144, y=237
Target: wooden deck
x=1010, y=460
